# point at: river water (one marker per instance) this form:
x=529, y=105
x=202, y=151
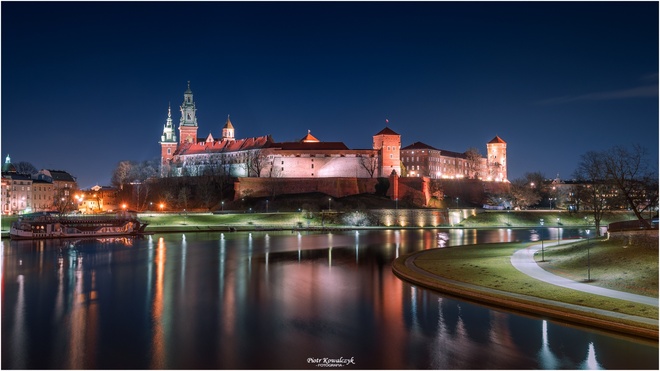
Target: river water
x=272, y=300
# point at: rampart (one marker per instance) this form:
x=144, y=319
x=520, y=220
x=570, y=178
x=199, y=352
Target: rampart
x=335, y=187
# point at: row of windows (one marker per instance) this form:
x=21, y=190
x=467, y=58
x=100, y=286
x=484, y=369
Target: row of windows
x=434, y=159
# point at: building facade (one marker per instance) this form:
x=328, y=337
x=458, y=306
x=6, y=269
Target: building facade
x=422, y=160
x=46, y=190
x=309, y=157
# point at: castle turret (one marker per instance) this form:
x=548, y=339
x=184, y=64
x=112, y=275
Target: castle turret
x=188, y=122
x=388, y=144
x=228, y=130
x=168, y=143
x=497, y=159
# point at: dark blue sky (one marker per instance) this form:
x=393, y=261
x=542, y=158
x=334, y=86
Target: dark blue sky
x=86, y=85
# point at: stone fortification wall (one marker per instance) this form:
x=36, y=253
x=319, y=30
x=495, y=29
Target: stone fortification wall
x=414, y=189
x=335, y=187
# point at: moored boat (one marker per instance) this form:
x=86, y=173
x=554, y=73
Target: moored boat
x=52, y=225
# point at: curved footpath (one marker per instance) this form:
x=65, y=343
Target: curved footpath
x=523, y=260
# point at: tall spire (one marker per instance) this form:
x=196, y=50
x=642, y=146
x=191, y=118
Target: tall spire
x=168, y=129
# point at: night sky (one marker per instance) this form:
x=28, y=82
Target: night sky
x=86, y=85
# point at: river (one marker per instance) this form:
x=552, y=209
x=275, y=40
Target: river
x=273, y=300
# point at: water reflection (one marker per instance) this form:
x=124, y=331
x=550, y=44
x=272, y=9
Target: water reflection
x=269, y=300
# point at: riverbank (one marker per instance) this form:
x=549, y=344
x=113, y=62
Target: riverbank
x=484, y=274
x=245, y=220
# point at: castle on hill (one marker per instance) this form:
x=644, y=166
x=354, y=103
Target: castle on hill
x=309, y=157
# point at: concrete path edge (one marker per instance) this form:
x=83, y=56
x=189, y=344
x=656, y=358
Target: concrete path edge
x=404, y=267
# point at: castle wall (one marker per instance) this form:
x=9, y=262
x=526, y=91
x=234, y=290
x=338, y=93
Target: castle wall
x=329, y=165
x=335, y=187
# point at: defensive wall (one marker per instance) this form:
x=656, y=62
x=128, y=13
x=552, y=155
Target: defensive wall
x=335, y=187
x=419, y=190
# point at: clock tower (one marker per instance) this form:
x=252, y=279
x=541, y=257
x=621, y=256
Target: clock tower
x=188, y=122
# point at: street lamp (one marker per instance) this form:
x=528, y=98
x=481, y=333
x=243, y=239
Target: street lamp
x=558, y=223
x=457, y=202
x=161, y=207
x=223, y=205
x=588, y=259
x=329, y=200
x=266, y=206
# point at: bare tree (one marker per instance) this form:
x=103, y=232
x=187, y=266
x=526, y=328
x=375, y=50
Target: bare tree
x=522, y=194
x=473, y=162
x=62, y=201
x=121, y=174
x=25, y=167
x=592, y=172
x=628, y=170
x=370, y=164
x=256, y=161
x=183, y=197
x=142, y=175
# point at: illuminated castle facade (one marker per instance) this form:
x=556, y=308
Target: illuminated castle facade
x=186, y=154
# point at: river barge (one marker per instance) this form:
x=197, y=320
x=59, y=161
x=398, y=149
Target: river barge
x=52, y=225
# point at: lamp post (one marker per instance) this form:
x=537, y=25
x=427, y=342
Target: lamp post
x=266, y=206
x=329, y=204
x=588, y=259
x=161, y=207
x=223, y=205
x=457, y=202
x=558, y=231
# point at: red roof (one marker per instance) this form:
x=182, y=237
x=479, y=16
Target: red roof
x=224, y=146
x=497, y=139
x=387, y=131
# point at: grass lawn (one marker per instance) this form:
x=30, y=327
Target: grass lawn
x=489, y=265
x=616, y=265
x=256, y=220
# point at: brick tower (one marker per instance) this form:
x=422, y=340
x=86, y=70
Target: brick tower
x=497, y=159
x=388, y=144
x=188, y=123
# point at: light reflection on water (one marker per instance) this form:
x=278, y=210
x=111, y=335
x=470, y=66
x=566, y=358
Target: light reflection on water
x=271, y=300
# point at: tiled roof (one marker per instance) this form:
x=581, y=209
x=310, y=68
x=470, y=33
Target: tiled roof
x=387, y=131
x=220, y=146
x=228, y=124
x=419, y=145
x=309, y=138
x=61, y=175
x=497, y=139
x=443, y=152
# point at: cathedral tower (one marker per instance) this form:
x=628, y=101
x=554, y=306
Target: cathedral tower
x=188, y=122
x=168, y=143
x=388, y=144
x=497, y=159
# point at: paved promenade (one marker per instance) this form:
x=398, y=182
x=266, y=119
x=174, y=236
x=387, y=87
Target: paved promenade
x=523, y=260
